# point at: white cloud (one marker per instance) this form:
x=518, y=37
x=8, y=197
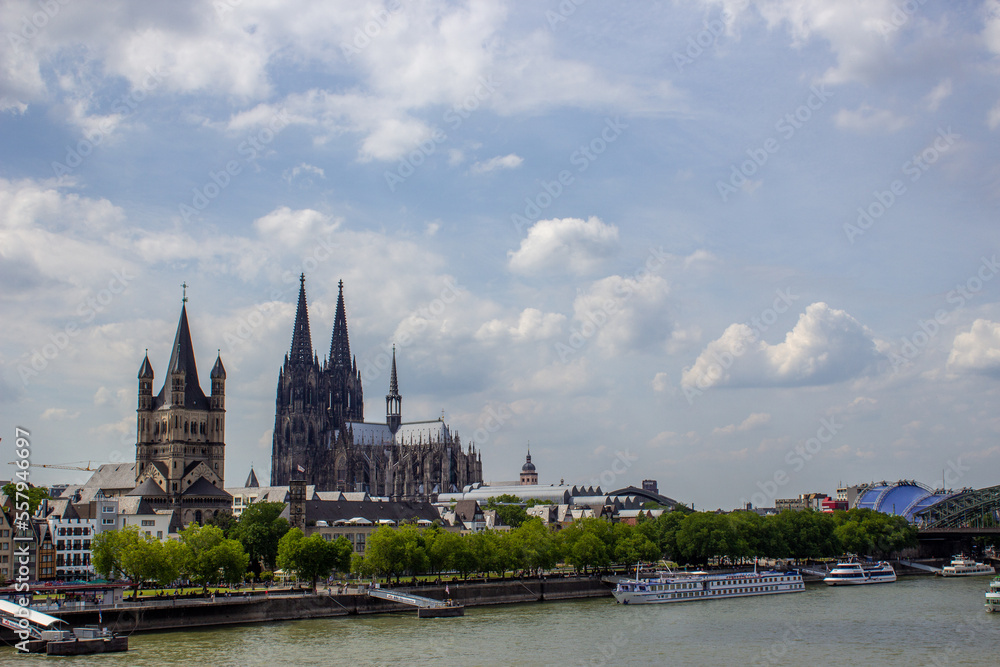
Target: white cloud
x=303, y=168
x=59, y=414
x=753, y=421
x=991, y=25
x=941, y=92
x=993, y=117
x=621, y=313
x=531, y=324
x=568, y=245
x=510, y=161
x=866, y=119
x=824, y=347
x=861, y=35
x=977, y=350
x=295, y=228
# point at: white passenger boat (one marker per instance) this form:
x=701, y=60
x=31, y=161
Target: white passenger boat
x=671, y=587
x=966, y=567
x=853, y=573
x=993, y=596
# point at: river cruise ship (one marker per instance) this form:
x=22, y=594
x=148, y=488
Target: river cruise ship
x=671, y=587
x=966, y=567
x=853, y=573
x=993, y=596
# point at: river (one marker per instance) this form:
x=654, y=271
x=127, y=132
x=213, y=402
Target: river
x=915, y=621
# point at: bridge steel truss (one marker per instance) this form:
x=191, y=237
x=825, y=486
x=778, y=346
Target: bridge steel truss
x=973, y=509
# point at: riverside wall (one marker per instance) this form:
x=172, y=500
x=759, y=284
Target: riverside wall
x=183, y=614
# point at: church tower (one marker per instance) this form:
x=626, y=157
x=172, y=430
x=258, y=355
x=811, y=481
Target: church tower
x=345, y=398
x=181, y=434
x=528, y=474
x=299, y=435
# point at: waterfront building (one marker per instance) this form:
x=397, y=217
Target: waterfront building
x=321, y=436
x=813, y=501
x=7, y=560
x=357, y=519
x=46, y=556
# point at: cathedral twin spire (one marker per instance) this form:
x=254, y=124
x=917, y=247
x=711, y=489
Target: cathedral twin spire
x=340, y=346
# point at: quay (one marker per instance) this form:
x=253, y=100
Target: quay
x=127, y=617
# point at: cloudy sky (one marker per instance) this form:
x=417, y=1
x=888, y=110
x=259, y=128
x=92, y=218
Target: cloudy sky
x=748, y=250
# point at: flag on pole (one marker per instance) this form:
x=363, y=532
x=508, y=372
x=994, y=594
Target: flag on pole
x=300, y=468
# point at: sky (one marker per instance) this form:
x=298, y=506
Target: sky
x=748, y=250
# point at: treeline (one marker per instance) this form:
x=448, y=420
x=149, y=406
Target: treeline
x=595, y=544
x=231, y=552
x=261, y=540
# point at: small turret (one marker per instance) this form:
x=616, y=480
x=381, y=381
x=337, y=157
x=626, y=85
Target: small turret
x=218, y=376
x=145, y=384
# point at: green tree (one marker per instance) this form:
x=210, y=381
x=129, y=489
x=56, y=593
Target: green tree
x=313, y=557
x=225, y=520
x=211, y=558
x=259, y=529
x=634, y=548
x=135, y=556
x=535, y=544
x=588, y=552
x=808, y=534
x=509, y=509
x=35, y=495
x=704, y=535
x=384, y=553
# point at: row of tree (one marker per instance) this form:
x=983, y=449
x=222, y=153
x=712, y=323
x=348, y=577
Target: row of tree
x=589, y=544
x=226, y=552
x=260, y=539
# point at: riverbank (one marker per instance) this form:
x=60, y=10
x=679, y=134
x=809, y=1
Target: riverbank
x=190, y=613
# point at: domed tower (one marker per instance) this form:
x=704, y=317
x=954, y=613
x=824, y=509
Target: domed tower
x=528, y=475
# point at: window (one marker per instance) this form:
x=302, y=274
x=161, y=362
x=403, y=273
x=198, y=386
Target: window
x=148, y=522
x=107, y=509
x=108, y=522
x=159, y=534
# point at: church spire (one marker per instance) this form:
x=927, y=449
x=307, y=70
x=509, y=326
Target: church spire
x=182, y=355
x=182, y=384
x=302, y=349
x=393, y=402
x=340, y=346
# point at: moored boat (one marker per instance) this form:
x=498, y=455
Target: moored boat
x=853, y=573
x=993, y=595
x=966, y=567
x=670, y=587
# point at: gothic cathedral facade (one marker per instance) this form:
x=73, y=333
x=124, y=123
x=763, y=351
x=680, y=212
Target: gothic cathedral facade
x=321, y=436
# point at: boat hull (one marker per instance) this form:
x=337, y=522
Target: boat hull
x=667, y=590
x=853, y=573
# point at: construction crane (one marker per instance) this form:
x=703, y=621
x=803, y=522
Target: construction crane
x=62, y=466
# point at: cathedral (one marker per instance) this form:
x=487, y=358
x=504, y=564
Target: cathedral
x=321, y=436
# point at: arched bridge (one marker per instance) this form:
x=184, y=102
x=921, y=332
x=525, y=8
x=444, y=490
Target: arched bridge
x=971, y=509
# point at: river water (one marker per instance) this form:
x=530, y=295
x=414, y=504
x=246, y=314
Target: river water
x=915, y=621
